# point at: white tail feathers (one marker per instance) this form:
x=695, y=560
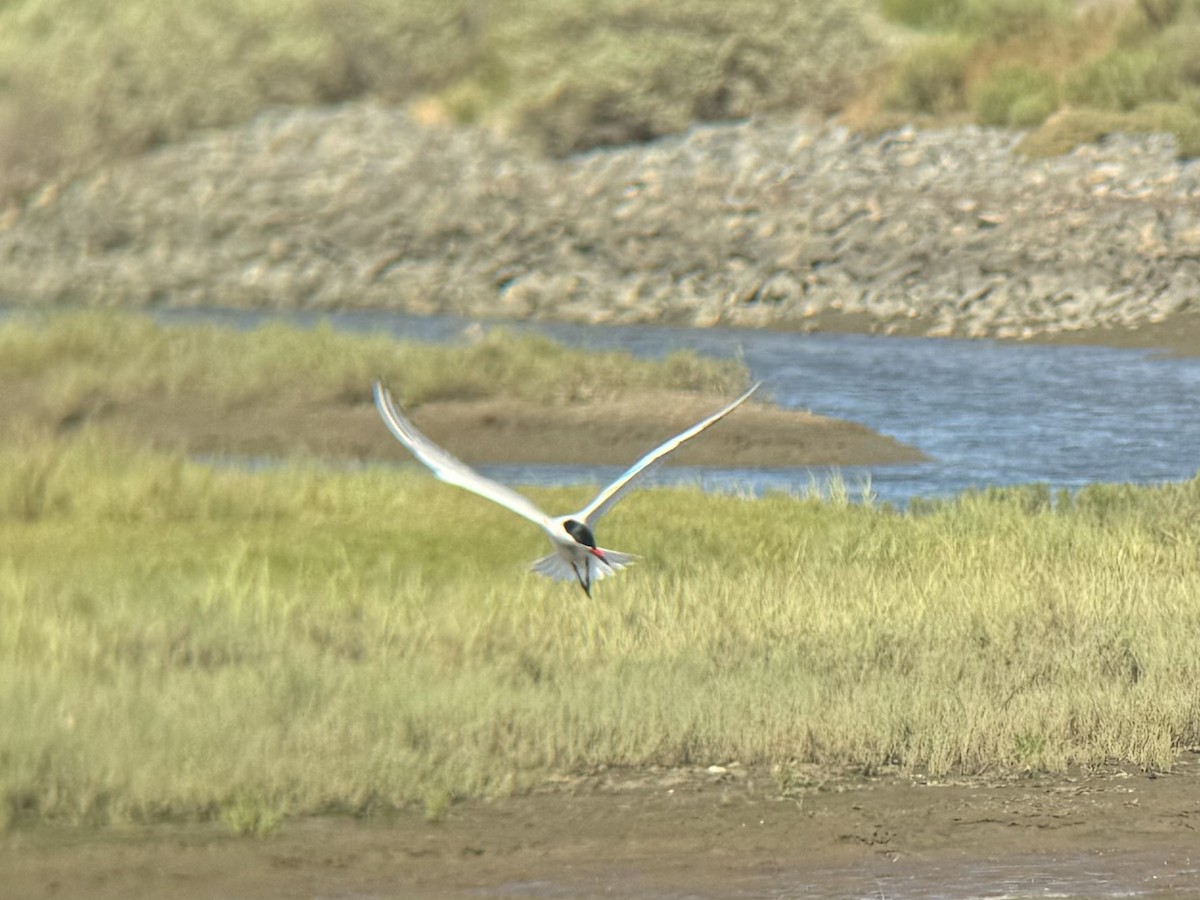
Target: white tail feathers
x=560, y=569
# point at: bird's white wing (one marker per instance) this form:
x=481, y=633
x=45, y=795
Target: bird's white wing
x=611, y=494
x=446, y=467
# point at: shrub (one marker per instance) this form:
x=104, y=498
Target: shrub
x=1001, y=20
x=931, y=14
x=1015, y=95
x=583, y=75
x=1067, y=130
x=994, y=20
x=1063, y=132
x=1122, y=80
x=1033, y=109
x=932, y=77
x=1180, y=119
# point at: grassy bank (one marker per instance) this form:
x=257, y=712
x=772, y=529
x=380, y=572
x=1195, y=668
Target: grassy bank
x=62, y=369
x=183, y=642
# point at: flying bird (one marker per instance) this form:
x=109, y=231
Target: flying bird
x=576, y=554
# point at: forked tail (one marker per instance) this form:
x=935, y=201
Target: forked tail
x=590, y=568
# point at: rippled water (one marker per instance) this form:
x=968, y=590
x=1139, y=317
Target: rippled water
x=988, y=413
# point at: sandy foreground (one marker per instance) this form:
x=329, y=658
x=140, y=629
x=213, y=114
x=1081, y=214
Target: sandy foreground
x=720, y=832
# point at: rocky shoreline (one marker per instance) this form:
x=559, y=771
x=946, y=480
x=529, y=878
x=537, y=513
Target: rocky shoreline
x=792, y=224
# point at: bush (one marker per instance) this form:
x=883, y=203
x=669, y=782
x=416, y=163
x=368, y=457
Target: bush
x=931, y=14
x=1180, y=119
x=1016, y=95
x=1002, y=20
x=1066, y=131
x=932, y=78
x=581, y=75
x=1122, y=81
x=1013, y=62
x=1146, y=66
x=994, y=20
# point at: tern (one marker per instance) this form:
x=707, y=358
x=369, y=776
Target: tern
x=576, y=555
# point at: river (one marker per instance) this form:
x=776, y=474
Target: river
x=988, y=413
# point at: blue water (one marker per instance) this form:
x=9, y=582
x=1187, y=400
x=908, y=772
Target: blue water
x=988, y=413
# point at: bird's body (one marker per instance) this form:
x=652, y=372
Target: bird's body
x=576, y=554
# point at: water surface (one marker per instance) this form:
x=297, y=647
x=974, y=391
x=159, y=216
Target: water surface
x=989, y=413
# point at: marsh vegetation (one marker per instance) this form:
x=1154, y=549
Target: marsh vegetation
x=493, y=396
x=180, y=641
x=81, y=83
x=68, y=363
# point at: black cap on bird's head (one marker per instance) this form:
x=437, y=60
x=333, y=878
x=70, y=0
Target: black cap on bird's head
x=582, y=535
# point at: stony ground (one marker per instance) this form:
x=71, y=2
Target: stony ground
x=785, y=223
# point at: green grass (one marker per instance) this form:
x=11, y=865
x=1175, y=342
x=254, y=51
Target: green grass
x=89, y=359
x=182, y=642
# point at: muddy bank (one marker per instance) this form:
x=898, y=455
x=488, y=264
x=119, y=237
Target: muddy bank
x=787, y=223
x=695, y=833
x=597, y=432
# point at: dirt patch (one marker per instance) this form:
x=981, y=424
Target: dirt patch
x=696, y=833
x=596, y=432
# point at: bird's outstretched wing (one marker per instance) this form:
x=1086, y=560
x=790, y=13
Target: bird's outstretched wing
x=446, y=467
x=611, y=494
